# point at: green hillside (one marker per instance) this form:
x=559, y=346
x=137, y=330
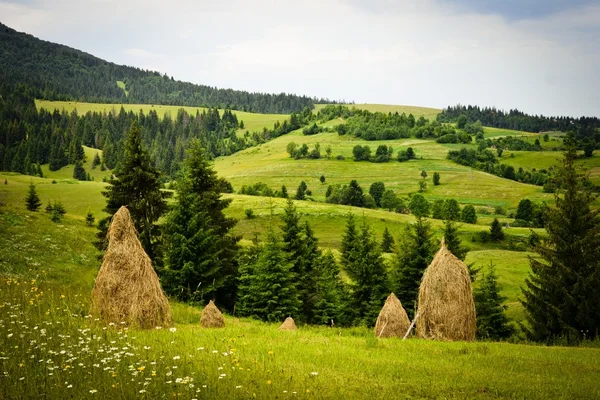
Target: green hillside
x=58, y=72
x=252, y=121
x=47, y=273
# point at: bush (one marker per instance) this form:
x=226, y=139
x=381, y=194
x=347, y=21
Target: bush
x=340, y=157
x=249, y=213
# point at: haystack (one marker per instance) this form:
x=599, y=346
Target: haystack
x=211, y=317
x=446, y=310
x=127, y=287
x=288, y=325
x=392, y=320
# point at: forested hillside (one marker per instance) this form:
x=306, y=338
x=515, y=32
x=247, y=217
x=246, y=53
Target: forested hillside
x=518, y=120
x=61, y=73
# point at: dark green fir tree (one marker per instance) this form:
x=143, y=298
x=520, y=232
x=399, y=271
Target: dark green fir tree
x=387, y=241
x=32, y=201
x=492, y=322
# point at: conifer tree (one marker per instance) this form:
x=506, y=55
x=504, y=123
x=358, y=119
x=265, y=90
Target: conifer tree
x=452, y=240
x=200, y=250
x=301, y=192
x=437, y=209
x=415, y=253
x=32, y=201
x=349, y=241
x=436, y=178
x=370, y=284
x=284, y=192
x=272, y=293
x=496, y=232
x=301, y=246
x=79, y=172
x=138, y=187
x=492, y=322
x=328, y=295
x=562, y=292
x=387, y=241
x=89, y=218
x=96, y=161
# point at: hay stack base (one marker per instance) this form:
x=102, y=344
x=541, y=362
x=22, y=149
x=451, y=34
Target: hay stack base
x=446, y=307
x=211, y=317
x=288, y=325
x=127, y=288
x=392, y=320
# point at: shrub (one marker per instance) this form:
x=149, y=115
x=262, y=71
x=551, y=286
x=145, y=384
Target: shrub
x=249, y=213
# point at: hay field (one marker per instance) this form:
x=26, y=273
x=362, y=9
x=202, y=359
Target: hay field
x=46, y=278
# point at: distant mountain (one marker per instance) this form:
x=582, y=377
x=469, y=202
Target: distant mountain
x=61, y=73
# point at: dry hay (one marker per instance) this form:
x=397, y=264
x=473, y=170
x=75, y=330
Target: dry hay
x=446, y=310
x=212, y=317
x=288, y=325
x=392, y=320
x=127, y=287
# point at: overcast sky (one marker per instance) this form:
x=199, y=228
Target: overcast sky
x=540, y=56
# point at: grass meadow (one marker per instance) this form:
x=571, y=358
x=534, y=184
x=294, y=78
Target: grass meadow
x=51, y=347
x=252, y=121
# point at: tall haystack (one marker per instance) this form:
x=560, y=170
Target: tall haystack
x=446, y=310
x=127, y=287
x=288, y=325
x=211, y=317
x=392, y=320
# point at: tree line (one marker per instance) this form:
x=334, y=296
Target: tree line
x=59, y=72
x=29, y=138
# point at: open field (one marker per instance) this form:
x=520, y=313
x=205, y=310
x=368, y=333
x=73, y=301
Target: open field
x=252, y=121
x=45, y=284
x=271, y=164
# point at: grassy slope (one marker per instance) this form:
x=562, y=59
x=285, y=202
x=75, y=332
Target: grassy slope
x=45, y=282
x=271, y=164
x=252, y=121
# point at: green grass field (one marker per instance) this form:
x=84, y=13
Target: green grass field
x=271, y=164
x=252, y=121
x=50, y=348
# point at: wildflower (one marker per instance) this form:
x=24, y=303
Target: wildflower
x=176, y=358
x=69, y=387
x=268, y=382
x=314, y=373
x=270, y=353
x=93, y=391
x=173, y=329
x=307, y=390
x=141, y=368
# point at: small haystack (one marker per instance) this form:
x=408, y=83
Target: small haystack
x=392, y=320
x=446, y=310
x=127, y=287
x=288, y=325
x=211, y=317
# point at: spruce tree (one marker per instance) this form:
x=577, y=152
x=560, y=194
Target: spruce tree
x=437, y=209
x=137, y=186
x=79, y=172
x=370, y=284
x=328, y=294
x=301, y=192
x=96, y=161
x=89, y=218
x=349, y=242
x=452, y=240
x=301, y=246
x=436, y=178
x=561, y=294
x=200, y=250
x=272, y=292
x=387, y=241
x=492, y=322
x=496, y=232
x=32, y=201
x=415, y=253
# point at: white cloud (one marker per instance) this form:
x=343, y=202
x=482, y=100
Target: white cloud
x=405, y=52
